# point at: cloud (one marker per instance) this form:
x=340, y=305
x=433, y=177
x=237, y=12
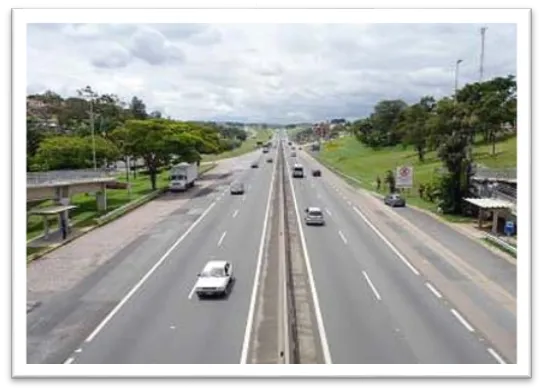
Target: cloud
x=270, y=72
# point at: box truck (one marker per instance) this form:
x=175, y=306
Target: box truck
x=183, y=175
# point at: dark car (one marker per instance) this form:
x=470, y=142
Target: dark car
x=237, y=188
x=269, y=160
x=316, y=173
x=254, y=165
x=395, y=200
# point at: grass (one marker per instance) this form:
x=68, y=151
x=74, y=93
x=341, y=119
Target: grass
x=247, y=146
x=496, y=246
x=86, y=212
x=351, y=157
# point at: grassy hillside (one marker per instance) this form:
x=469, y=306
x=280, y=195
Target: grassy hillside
x=365, y=164
x=247, y=146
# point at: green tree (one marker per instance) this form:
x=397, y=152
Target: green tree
x=138, y=109
x=384, y=119
x=414, y=124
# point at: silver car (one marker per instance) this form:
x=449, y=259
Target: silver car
x=314, y=216
x=395, y=200
x=237, y=188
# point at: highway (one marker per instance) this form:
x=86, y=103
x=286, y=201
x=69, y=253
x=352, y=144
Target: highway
x=164, y=322
x=375, y=309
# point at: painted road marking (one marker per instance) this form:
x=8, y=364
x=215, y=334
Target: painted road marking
x=318, y=313
x=147, y=275
x=433, y=290
x=328, y=211
x=69, y=360
x=386, y=241
x=342, y=236
x=221, y=239
x=375, y=292
x=495, y=355
x=235, y=213
x=462, y=320
x=250, y=316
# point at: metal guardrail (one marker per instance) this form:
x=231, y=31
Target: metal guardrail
x=501, y=243
x=52, y=177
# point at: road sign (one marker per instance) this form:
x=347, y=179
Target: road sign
x=509, y=228
x=404, y=177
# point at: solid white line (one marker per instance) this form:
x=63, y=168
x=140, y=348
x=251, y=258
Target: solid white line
x=462, y=320
x=328, y=212
x=250, y=316
x=318, y=314
x=400, y=256
x=342, y=236
x=433, y=290
x=69, y=361
x=495, y=355
x=372, y=286
x=147, y=275
x=222, y=238
x=192, y=291
x=235, y=213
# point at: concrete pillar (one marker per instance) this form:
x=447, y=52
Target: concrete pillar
x=480, y=220
x=101, y=198
x=495, y=214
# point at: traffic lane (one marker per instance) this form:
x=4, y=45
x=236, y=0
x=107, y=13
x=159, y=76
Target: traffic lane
x=172, y=328
x=491, y=265
x=426, y=323
x=357, y=330
x=80, y=308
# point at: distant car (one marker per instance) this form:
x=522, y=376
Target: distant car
x=254, y=165
x=265, y=150
x=269, y=160
x=293, y=154
x=237, y=188
x=316, y=172
x=298, y=171
x=314, y=216
x=215, y=279
x=395, y=200
x=299, y=148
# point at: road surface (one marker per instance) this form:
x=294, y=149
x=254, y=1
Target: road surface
x=375, y=309
x=159, y=323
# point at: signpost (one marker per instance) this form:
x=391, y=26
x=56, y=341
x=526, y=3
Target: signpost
x=404, y=177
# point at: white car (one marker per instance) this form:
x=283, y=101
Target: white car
x=215, y=278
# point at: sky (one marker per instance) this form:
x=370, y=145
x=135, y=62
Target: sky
x=275, y=73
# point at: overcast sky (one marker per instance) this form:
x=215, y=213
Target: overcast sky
x=267, y=72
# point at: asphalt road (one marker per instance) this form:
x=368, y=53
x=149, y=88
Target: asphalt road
x=158, y=322
x=374, y=309
x=164, y=321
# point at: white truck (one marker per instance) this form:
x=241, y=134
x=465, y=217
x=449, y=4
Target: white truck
x=183, y=175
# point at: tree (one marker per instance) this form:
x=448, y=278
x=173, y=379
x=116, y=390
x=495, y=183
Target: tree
x=73, y=152
x=138, y=109
x=155, y=114
x=157, y=141
x=414, y=124
x=385, y=119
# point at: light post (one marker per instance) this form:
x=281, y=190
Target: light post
x=92, y=133
x=456, y=76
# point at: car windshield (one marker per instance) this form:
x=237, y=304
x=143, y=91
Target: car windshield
x=315, y=213
x=216, y=272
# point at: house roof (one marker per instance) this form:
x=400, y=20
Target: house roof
x=488, y=203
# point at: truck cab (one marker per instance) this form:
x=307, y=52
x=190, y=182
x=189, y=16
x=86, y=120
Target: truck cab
x=182, y=176
x=298, y=171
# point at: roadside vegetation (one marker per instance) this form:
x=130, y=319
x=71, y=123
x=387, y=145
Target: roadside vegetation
x=248, y=145
x=60, y=137
x=442, y=139
x=86, y=213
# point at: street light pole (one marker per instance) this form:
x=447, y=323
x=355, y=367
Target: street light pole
x=456, y=76
x=481, y=68
x=92, y=133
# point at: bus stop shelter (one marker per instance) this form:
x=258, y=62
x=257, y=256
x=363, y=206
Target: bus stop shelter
x=60, y=210
x=496, y=206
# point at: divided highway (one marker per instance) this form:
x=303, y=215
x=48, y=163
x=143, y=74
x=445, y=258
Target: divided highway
x=372, y=305
x=375, y=308
x=161, y=320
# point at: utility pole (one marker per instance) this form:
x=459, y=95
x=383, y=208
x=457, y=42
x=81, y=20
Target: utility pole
x=481, y=68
